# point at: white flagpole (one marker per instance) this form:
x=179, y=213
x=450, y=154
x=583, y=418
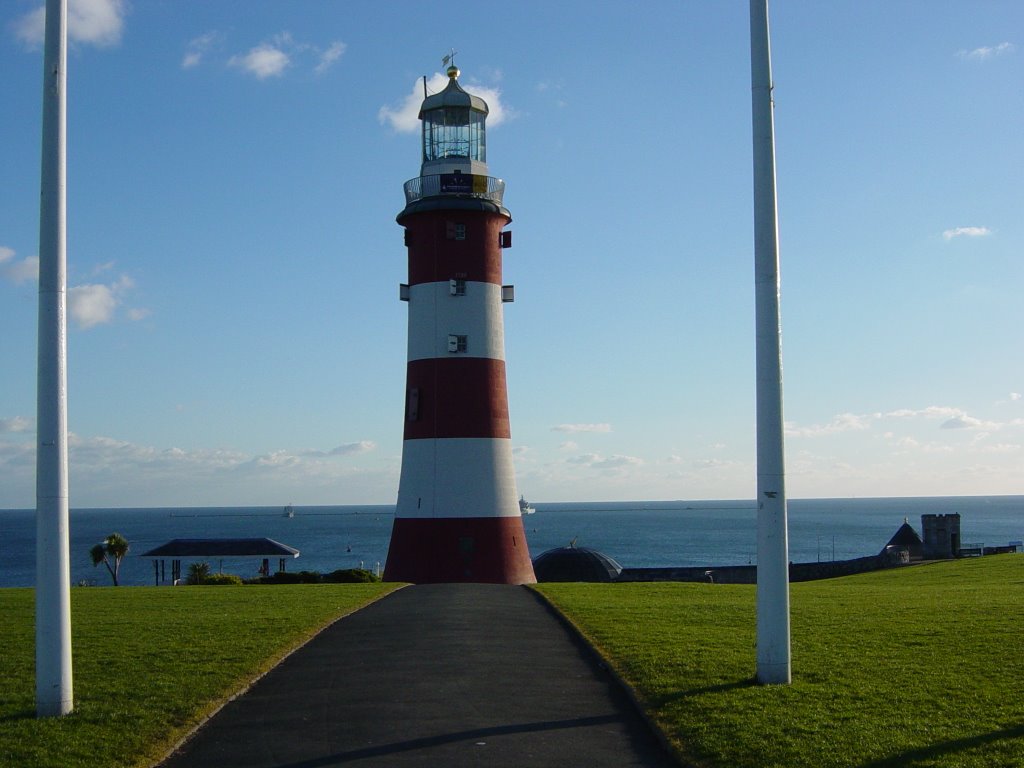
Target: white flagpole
x=53, y=575
x=773, y=635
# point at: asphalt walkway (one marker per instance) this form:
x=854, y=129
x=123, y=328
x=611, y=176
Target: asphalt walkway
x=434, y=675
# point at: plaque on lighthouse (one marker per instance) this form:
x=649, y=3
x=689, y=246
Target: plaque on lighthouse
x=457, y=518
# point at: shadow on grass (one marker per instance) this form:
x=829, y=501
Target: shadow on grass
x=21, y=714
x=945, y=748
x=689, y=693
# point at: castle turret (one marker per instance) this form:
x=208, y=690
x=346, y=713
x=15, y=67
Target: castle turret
x=458, y=516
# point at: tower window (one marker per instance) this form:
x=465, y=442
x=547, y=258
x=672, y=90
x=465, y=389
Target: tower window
x=457, y=343
x=457, y=287
x=455, y=231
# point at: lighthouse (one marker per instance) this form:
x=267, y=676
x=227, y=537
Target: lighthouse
x=457, y=518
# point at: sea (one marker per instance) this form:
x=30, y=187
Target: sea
x=642, y=534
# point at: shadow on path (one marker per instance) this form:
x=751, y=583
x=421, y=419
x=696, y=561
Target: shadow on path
x=448, y=738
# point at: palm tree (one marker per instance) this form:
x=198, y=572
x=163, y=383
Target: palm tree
x=197, y=573
x=113, y=548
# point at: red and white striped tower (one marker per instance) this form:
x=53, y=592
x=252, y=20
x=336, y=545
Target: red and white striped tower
x=457, y=517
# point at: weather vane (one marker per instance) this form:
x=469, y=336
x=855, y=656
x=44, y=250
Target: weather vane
x=449, y=59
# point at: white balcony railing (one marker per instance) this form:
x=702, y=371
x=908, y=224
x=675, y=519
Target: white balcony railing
x=458, y=184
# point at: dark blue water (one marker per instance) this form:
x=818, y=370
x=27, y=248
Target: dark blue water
x=637, y=534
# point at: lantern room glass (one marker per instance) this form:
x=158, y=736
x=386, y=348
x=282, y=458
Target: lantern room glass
x=454, y=133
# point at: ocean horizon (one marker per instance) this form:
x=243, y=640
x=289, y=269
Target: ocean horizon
x=639, y=534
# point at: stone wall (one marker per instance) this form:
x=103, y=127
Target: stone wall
x=747, y=574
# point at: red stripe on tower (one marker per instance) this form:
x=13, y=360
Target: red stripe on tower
x=457, y=517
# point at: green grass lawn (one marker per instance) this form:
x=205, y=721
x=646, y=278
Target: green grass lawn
x=921, y=666
x=150, y=663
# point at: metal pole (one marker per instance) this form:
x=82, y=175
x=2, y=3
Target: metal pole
x=53, y=575
x=773, y=638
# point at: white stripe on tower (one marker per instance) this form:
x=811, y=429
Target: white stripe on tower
x=468, y=477
x=434, y=314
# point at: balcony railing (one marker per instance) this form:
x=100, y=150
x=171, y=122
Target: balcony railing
x=461, y=184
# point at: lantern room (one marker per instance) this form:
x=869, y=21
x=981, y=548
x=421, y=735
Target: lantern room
x=454, y=132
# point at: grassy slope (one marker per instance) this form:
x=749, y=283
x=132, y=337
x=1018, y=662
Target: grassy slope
x=150, y=663
x=916, y=667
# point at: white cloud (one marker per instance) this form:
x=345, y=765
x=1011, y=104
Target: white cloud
x=617, y=461
x=985, y=52
x=197, y=48
x=94, y=304
x=18, y=271
x=963, y=421
x=347, y=449
x=328, y=57
x=270, y=58
x=25, y=270
x=93, y=22
x=91, y=305
x=998, y=448
x=843, y=422
x=107, y=470
x=1015, y=396
x=950, y=234
x=263, y=61
x=31, y=28
x=16, y=424
x=931, y=412
x=599, y=462
x=99, y=22
x=577, y=428
x=952, y=418
x=404, y=117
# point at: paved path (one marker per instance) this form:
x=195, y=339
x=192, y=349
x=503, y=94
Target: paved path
x=434, y=675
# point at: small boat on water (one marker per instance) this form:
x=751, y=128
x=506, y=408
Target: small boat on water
x=289, y=511
x=524, y=506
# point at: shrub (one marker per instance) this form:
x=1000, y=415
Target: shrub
x=285, y=577
x=351, y=576
x=222, y=578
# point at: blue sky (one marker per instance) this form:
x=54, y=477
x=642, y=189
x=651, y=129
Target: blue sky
x=234, y=174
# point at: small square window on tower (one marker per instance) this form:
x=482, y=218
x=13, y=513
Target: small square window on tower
x=455, y=231
x=457, y=343
x=457, y=287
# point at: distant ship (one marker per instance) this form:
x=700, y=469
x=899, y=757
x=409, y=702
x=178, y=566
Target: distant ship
x=524, y=507
x=289, y=511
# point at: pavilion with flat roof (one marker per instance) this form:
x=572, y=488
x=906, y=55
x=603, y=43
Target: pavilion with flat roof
x=177, y=549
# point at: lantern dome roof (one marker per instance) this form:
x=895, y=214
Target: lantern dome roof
x=453, y=96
